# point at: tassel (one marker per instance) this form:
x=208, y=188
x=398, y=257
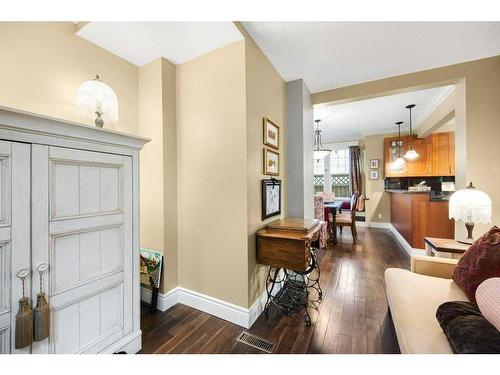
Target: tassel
x=42, y=318
x=42, y=309
x=24, y=324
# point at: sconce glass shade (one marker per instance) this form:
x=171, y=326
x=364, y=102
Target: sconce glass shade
x=470, y=205
x=411, y=154
x=94, y=97
x=397, y=164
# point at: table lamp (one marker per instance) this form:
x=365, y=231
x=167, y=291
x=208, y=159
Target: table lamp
x=97, y=102
x=471, y=206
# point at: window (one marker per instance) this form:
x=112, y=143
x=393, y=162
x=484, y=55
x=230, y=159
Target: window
x=319, y=167
x=339, y=162
x=339, y=169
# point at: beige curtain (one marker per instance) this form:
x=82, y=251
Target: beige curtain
x=355, y=169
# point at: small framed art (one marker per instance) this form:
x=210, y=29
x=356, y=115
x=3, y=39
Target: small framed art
x=374, y=163
x=373, y=175
x=271, y=162
x=271, y=198
x=271, y=134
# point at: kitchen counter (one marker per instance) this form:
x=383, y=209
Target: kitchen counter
x=418, y=214
x=432, y=197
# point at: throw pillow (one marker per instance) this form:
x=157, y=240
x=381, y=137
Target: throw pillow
x=480, y=262
x=488, y=300
x=467, y=331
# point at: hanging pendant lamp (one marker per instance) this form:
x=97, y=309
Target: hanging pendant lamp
x=411, y=154
x=397, y=164
x=319, y=151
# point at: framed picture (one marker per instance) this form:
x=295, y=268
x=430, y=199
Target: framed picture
x=373, y=175
x=374, y=163
x=151, y=263
x=271, y=198
x=271, y=162
x=271, y=134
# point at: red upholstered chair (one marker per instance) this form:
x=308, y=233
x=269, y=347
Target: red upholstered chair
x=348, y=219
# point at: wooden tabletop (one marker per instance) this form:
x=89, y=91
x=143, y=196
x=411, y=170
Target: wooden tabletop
x=294, y=224
x=446, y=245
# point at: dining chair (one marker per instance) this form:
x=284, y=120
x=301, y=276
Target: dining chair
x=348, y=219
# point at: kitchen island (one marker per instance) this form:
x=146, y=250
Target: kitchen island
x=418, y=214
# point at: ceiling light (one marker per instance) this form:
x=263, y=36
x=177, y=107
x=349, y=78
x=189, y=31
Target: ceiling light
x=319, y=151
x=411, y=154
x=397, y=164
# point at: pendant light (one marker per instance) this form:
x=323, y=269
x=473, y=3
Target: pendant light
x=411, y=154
x=319, y=151
x=397, y=164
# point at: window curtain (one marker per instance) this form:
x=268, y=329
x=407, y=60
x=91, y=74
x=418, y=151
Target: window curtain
x=355, y=169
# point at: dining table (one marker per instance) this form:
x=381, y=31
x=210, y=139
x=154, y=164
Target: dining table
x=333, y=208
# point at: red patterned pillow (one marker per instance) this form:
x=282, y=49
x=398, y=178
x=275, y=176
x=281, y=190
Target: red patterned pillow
x=480, y=262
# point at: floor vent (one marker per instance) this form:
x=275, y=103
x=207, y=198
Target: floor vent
x=255, y=342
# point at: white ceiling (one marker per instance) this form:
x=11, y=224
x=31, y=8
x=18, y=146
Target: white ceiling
x=355, y=120
x=335, y=54
x=143, y=42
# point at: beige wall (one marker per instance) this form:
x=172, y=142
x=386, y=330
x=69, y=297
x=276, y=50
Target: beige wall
x=477, y=118
x=43, y=63
x=157, y=120
x=170, y=198
x=378, y=202
x=265, y=97
x=151, y=165
x=211, y=142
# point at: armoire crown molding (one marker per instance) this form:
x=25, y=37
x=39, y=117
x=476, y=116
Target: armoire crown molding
x=34, y=128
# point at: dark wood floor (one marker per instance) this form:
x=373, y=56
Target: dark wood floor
x=351, y=319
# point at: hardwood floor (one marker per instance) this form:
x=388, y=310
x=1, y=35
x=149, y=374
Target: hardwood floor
x=351, y=319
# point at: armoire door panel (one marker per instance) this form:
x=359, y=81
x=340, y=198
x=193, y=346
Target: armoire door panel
x=5, y=183
x=82, y=256
x=88, y=233
x=5, y=277
x=79, y=326
x=84, y=184
x=5, y=340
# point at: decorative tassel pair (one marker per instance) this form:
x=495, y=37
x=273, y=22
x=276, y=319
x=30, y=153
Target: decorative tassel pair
x=26, y=320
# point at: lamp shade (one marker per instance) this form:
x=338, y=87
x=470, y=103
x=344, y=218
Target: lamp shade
x=397, y=164
x=320, y=154
x=95, y=96
x=470, y=205
x=411, y=154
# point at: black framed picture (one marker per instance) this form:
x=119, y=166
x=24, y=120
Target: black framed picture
x=271, y=198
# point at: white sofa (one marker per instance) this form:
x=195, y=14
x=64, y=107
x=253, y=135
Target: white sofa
x=414, y=296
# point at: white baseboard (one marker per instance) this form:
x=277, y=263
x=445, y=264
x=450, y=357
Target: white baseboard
x=241, y=316
x=410, y=250
x=367, y=224
x=165, y=300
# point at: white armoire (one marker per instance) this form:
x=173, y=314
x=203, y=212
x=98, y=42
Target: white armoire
x=69, y=200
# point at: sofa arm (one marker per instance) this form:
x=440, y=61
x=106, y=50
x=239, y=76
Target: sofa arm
x=433, y=266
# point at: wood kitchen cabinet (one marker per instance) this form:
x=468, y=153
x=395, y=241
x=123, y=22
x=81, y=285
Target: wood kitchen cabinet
x=443, y=154
x=423, y=165
x=415, y=216
x=436, y=155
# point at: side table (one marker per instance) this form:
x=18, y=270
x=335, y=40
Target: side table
x=444, y=247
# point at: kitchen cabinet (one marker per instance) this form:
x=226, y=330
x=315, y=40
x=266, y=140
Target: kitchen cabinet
x=436, y=155
x=415, y=216
x=443, y=154
x=423, y=165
